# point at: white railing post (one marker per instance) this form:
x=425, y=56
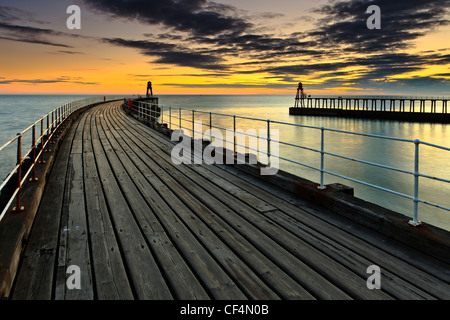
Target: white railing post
x=210, y=127
x=268, y=144
x=322, y=158
x=193, y=124
x=234, y=135
x=415, y=222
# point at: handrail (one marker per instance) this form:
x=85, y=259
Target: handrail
x=377, y=97
x=53, y=120
x=148, y=110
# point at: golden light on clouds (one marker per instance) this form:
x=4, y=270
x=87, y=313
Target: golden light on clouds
x=232, y=48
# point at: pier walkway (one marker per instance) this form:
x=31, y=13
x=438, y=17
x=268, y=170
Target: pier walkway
x=140, y=227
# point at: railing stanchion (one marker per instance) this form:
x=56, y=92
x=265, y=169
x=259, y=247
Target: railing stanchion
x=48, y=134
x=42, y=161
x=19, y=207
x=170, y=118
x=268, y=144
x=234, y=136
x=53, y=127
x=322, y=158
x=180, y=117
x=193, y=124
x=33, y=171
x=210, y=126
x=415, y=222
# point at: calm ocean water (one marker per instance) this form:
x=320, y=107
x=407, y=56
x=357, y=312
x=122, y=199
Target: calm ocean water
x=17, y=112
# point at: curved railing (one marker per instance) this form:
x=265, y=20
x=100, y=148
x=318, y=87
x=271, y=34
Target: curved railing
x=46, y=128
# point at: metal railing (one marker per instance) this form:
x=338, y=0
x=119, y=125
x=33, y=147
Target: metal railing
x=48, y=128
x=375, y=103
x=175, y=119
x=377, y=97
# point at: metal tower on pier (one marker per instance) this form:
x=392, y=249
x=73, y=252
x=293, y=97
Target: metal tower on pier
x=300, y=95
x=149, y=89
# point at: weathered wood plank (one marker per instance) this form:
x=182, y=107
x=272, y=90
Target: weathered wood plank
x=182, y=280
x=36, y=275
x=275, y=277
x=387, y=253
x=111, y=281
x=214, y=278
x=209, y=194
x=261, y=196
x=77, y=250
x=146, y=278
x=159, y=193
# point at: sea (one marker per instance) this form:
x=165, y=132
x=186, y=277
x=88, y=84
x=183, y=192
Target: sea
x=17, y=112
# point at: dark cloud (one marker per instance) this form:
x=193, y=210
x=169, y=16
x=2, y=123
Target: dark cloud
x=402, y=21
x=207, y=34
x=199, y=17
x=28, y=34
x=371, y=67
x=46, y=81
x=168, y=53
x=68, y=52
x=35, y=41
x=232, y=85
x=10, y=14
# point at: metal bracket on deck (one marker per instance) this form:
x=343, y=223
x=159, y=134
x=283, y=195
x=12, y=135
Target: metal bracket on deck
x=415, y=223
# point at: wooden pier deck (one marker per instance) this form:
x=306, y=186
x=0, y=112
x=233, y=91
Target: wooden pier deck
x=140, y=227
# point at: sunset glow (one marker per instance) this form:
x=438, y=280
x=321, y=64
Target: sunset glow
x=225, y=47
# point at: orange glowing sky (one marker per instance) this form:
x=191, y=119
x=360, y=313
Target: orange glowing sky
x=224, y=47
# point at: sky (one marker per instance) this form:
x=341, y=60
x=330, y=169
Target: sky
x=225, y=47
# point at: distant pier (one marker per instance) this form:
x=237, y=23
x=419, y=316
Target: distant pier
x=413, y=109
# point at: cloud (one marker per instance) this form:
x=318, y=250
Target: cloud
x=173, y=54
x=28, y=34
x=402, y=21
x=68, y=52
x=12, y=29
x=10, y=14
x=240, y=85
x=205, y=35
x=199, y=17
x=46, y=81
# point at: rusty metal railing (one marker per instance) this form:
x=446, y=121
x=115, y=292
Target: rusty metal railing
x=47, y=128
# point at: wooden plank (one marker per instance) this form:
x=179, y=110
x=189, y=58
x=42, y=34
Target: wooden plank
x=74, y=232
x=387, y=253
x=146, y=278
x=391, y=283
x=36, y=275
x=182, y=280
x=274, y=276
x=309, y=278
x=111, y=281
x=158, y=192
x=419, y=292
x=250, y=199
x=217, y=282
x=77, y=250
x=323, y=243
